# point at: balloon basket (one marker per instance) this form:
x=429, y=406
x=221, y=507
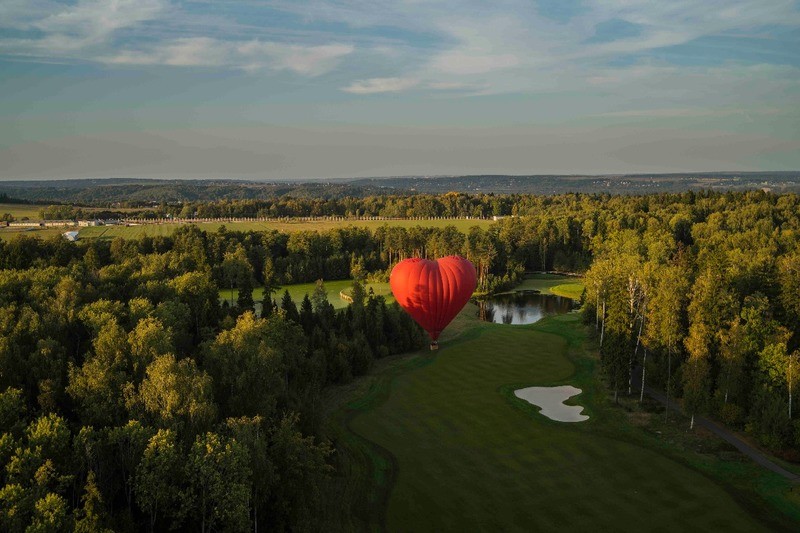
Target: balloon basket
x=434, y=345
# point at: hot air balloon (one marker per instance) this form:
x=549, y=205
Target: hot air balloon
x=433, y=292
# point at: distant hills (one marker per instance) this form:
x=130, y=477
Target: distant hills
x=144, y=191
x=613, y=183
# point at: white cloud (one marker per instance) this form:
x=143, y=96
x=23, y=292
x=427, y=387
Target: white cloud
x=195, y=51
x=496, y=47
x=87, y=31
x=509, y=46
x=99, y=18
x=307, y=60
x=381, y=85
x=249, y=56
x=450, y=86
x=75, y=30
x=458, y=62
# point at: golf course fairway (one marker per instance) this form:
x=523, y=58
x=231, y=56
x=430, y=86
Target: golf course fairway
x=467, y=455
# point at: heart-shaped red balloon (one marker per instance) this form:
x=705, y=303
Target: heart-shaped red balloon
x=433, y=292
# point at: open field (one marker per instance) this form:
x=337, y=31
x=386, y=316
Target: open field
x=7, y=234
x=134, y=232
x=299, y=290
x=20, y=211
x=445, y=445
x=153, y=230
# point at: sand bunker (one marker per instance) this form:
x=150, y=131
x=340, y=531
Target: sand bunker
x=550, y=400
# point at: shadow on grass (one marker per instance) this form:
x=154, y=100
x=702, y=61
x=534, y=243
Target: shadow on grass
x=755, y=489
x=367, y=472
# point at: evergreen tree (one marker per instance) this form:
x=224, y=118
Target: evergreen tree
x=306, y=315
x=289, y=308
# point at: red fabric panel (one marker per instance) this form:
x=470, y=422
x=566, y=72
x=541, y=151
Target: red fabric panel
x=433, y=292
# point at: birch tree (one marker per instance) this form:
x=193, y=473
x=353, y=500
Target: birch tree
x=664, y=315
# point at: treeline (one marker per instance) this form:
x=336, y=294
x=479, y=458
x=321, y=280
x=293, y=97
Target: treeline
x=6, y=199
x=403, y=206
x=69, y=212
x=123, y=192
x=448, y=205
x=453, y=205
x=501, y=253
x=130, y=399
x=704, y=300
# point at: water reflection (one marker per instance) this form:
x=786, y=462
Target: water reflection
x=522, y=307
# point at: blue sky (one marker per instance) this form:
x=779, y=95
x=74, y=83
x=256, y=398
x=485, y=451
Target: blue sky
x=320, y=88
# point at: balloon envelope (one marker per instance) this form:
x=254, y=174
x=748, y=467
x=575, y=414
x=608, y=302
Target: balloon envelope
x=433, y=292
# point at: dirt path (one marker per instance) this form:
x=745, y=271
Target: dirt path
x=723, y=433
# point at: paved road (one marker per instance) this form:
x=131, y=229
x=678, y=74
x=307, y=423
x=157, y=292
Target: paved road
x=722, y=433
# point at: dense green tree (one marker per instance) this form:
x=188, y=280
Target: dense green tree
x=217, y=493
x=97, y=385
x=255, y=355
x=92, y=516
x=128, y=443
x=789, y=276
x=300, y=464
x=50, y=514
x=148, y=340
x=238, y=273
x=159, y=478
x=667, y=303
x=197, y=291
x=12, y=411
x=255, y=440
x=176, y=392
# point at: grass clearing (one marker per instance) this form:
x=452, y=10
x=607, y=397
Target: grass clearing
x=299, y=290
x=446, y=446
x=8, y=234
x=569, y=286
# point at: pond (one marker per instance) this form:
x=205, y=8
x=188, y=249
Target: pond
x=523, y=307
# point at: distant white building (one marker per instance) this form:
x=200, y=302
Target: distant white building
x=27, y=224
x=88, y=223
x=71, y=235
x=58, y=223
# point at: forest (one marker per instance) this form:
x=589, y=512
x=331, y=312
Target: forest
x=127, y=385
x=147, y=192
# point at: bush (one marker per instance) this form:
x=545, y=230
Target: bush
x=731, y=414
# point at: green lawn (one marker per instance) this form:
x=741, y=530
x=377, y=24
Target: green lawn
x=299, y=290
x=568, y=286
x=7, y=234
x=130, y=232
x=135, y=232
x=445, y=446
